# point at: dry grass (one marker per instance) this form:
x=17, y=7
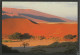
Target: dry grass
x=36, y=42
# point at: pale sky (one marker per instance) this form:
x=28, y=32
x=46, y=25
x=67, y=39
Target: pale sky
x=67, y=10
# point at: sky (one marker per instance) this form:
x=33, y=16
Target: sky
x=67, y=10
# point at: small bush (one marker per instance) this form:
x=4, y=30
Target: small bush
x=69, y=36
x=20, y=36
x=24, y=44
x=42, y=37
x=15, y=36
x=26, y=36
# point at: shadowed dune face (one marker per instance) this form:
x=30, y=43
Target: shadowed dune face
x=45, y=18
x=12, y=16
x=10, y=26
x=17, y=13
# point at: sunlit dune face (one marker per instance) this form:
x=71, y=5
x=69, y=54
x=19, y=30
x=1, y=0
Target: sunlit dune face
x=10, y=26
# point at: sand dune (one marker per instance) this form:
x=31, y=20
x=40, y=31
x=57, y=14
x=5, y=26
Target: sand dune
x=33, y=13
x=10, y=26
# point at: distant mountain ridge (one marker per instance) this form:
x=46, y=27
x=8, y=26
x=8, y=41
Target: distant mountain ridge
x=34, y=15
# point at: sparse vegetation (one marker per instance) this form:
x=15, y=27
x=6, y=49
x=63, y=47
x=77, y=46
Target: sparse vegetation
x=26, y=36
x=70, y=47
x=69, y=36
x=38, y=37
x=25, y=44
x=15, y=36
x=41, y=37
x=20, y=36
x=8, y=41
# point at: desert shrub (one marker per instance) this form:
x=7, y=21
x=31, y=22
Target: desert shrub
x=6, y=49
x=42, y=37
x=24, y=44
x=15, y=36
x=38, y=37
x=26, y=36
x=69, y=36
x=20, y=36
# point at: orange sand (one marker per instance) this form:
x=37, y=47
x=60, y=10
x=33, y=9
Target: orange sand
x=10, y=26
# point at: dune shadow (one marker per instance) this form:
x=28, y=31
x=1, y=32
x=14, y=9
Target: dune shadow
x=44, y=18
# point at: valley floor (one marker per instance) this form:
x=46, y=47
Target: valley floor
x=45, y=46
x=34, y=42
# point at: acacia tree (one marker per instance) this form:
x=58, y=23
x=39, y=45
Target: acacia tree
x=24, y=44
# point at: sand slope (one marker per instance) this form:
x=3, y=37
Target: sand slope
x=10, y=26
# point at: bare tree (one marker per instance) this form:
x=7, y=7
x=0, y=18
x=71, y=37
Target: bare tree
x=24, y=44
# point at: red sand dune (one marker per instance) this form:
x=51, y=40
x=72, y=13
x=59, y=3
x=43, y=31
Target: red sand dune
x=9, y=14
x=36, y=20
x=10, y=26
x=32, y=12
